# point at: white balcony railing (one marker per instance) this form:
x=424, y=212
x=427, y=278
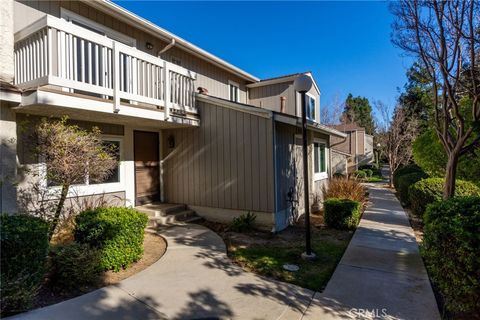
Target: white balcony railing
x=52, y=51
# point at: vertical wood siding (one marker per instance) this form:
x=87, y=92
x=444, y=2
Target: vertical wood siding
x=225, y=163
x=209, y=76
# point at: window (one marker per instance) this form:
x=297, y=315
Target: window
x=310, y=103
x=113, y=147
x=234, y=90
x=319, y=160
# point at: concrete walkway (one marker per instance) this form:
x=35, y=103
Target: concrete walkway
x=381, y=274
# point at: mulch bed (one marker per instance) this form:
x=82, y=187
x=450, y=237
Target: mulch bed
x=154, y=248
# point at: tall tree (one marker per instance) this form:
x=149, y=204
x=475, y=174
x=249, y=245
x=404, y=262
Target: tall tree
x=358, y=110
x=444, y=36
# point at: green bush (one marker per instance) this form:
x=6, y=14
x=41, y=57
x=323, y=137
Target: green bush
x=405, y=181
x=409, y=168
x=360, y=174
x=74, y=266
x=450, y=247
x=373, y=167
x=430, y=190
x=116, y=232
x=369, y=172
x=342, y=213
x=243, y=222
x=24, y=250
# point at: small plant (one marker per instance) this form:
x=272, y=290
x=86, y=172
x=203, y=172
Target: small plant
x=450, y=249
x=360, y=174
x=344, y=189
x=116, y=232
x=24, y=250
x=74, y=266
x=427, y=191
x=405, y=181
x=342, y=213
x=243, y=222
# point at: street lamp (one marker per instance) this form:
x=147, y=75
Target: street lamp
x=302, y=84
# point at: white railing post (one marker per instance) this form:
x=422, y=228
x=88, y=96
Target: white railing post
x=116, y=78
x=166, y=89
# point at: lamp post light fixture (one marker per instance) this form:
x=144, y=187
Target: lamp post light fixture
x=302, y=84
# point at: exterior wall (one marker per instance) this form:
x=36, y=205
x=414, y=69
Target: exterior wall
x=268, y=97
x=361, y=142
x=6, y=39
x=368, y=156
x=339, y=162
x=225, y=163
x=209, y=76
x=8, y=159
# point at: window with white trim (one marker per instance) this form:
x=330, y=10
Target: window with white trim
x=233, y=91
x=319, y=160
x=311, y=106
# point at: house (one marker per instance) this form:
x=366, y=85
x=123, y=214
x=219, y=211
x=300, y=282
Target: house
x=356, y=148
x=191, y=128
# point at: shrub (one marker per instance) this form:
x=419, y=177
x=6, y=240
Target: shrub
x=243, y=222
x=74, y=265
x=369, y=172
x=450, y=248
x=409, y=168
x=342, y=213
x=405, y=181
x=24, y=250
x=427, y=191
x=338, y=175
x=360, y=174
x=344, y=189
x=373, y=167
x=116, y=232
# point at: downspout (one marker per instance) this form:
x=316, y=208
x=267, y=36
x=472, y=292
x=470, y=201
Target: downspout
x=167, y=47
x=275, y=195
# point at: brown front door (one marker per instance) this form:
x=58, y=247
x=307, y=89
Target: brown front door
x=147, y=167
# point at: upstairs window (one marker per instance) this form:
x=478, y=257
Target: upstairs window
x=310, y=103
x=233, y=91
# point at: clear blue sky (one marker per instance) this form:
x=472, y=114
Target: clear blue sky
x=345, y=44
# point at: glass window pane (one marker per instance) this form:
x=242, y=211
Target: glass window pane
x=316, y=157
x=322, y=158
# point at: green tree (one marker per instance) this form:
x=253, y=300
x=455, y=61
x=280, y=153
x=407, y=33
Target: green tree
x=358, y=110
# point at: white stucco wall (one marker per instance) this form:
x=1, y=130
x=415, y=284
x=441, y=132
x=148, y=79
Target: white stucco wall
x=6, y=40
x=8, y=159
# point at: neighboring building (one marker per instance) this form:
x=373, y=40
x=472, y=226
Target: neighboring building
x=357, y=148
x=231, y=148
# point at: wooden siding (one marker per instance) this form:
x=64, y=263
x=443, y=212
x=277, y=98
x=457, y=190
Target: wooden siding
x=209, y=76
x=268, y=97
x=225, y=163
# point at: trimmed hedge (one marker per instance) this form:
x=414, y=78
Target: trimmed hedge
x=405, y=181
x=450, y=247
x=24, y=251
x=74, y=266
x=373, y=167
x=116, y=232
x=430, y=190
x=409, y=168
x=342, y=213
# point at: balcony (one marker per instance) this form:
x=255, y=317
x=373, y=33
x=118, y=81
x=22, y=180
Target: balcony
x=54, y=52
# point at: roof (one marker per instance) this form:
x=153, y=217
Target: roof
x=149, y=27
x=348, y=127
x=282, y=79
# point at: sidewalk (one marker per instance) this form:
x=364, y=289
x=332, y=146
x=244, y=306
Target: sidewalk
x=381, y=275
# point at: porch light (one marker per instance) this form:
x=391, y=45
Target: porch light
x=302, y=84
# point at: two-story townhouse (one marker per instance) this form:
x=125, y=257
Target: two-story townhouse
x=357, y=147
x=229, y=148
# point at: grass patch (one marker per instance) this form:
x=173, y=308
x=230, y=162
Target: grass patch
x=374, y=179
x=268, y=260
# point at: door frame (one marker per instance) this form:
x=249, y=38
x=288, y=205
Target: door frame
x=160, y=181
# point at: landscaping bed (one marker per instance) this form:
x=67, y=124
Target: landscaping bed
x=265, y=253
x=154, y=248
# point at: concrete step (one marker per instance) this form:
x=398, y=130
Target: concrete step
x=161, y=209
x=172, y=217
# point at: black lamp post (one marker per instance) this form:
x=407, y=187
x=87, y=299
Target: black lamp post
x=302, y=84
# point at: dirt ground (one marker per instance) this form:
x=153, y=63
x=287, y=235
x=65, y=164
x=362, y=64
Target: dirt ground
x=154, y=248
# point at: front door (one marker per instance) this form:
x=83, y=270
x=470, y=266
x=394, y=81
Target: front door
x=147, y=167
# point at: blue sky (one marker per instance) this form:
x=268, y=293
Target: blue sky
x=345, y=44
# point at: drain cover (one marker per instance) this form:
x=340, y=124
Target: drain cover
x=291, y=267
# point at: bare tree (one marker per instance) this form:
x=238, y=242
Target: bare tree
x=395, y=134
x=331, y=113
x=70, y=156
x=444, y=36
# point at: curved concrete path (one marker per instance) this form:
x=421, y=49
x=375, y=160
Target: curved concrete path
x=193, y=280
